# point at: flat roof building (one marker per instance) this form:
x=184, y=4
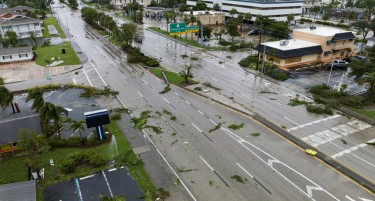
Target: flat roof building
x=208, y=17
x=274, y=9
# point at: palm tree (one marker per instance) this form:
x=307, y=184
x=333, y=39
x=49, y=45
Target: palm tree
x=6, y=98
x=49, y=113
x=240, y=18
x=186, y=74
x=2, y=81
x=369, y=80
x=233, y=11
x=78, y=125
x=290, y=18
x=37, y=95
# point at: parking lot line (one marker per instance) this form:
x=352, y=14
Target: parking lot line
x=106, y=181
x=78, y=189
x=314, y=122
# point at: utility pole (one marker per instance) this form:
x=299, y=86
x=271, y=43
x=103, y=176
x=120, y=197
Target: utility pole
x=263, y=58
x=260, y=40
x=330, y=72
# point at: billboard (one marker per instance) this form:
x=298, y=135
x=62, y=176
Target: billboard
x=97, y=118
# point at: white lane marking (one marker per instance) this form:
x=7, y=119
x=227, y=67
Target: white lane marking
x=62, y=93
x=74, y=133
x=241, y=141
x=163, y=118
x=354, y=148
x=50, y=93
x=310, y=188
x=213, y=79
x=98, y=73
x=106, y=181
x=176, y=94
x=197, y=128
x=79, y=189
x=245, y=170
x=365, y=199
x=122, y=103
x=68, y=109
x=86, y=177
x=117, y=61
x=144, y=136
x=19, y=118
x=291, y=120
x=74, y=80
x=166, y=100
x=174, y=172
x=314, y=122
x=111, y=170
x=213, y=122
x=140, y=94
x=187, y=102
x=245, y=96
x=349, y=198
x=145, y=82
x=200, y=112
x=123, y=76
x=87, y=77
x=206, y=163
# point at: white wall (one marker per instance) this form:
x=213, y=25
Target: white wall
x=23, y=30
x=16, y=57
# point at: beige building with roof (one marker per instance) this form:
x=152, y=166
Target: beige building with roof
x=207, y=17
x=335, y=43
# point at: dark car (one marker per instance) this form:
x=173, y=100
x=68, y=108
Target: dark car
x=253, y=32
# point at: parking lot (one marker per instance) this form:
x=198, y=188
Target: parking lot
x=110, y=182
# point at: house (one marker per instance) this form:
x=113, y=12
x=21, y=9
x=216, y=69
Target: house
x=10, y=128
x=289, y=54
x=335, y=43
x=207, y=17
x=20, y=24
x=25, y=191
x=370, y=42
x=278, y=10
x=16, y=54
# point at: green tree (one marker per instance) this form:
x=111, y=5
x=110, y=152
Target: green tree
x=78, y=125
x=2, y=81
x=231, y=28
x=362, y=25
x=290, y=18
x=372, y=26
x=6, y=98
x=216, y=7
x=89, y=14
x=248, y=17
x=349, y=4
x=11, y=37
x=187, y=73
x=33, y=37
x=128, y=32
x=351, y=16
x=153, y=3
x=200, y=5
x=325, y=17
x=232, y=12
x=368, y=79
x=51, y=114
x=315, y=10
x=30, y=143
x=183, y=8
x=37, y=95
x=73, y=4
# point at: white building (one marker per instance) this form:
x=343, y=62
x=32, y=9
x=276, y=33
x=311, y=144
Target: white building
x=274, y=9
x=20, y=24
x=370, y=42
x=16, y=54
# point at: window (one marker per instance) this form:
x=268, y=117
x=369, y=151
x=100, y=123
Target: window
x=292, y=60
x=275, y=59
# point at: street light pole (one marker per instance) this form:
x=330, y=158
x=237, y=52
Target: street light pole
x=330, y=72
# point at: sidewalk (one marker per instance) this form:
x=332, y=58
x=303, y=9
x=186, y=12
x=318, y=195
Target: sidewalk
x=18, y=72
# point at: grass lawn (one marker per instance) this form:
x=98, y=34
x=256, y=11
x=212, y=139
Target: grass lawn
x=173, y=77
x=115, y=42
x=44, y=55
x=48, y=21
x=369, y=113
x=190, y=42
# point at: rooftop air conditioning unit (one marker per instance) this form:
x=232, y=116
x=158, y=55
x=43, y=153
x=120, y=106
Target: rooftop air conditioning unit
x=284, y=42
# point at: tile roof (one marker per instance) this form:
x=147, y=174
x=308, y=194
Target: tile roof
x=25, y=191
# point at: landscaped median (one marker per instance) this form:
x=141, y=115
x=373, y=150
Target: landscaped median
x=172, y=77
x=52, y=21
x=50, y=55
x=189, y=42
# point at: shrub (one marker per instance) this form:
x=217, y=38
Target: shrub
x=75, y=159
x=233, y=48
x=56, y=142
x=224, y=42
x=277, y=74
x=246, y=62
x=236, y=126
x=46, y=43
x=319, y=109
x=116, y=116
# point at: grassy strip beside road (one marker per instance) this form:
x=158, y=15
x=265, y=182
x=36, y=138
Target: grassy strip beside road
x=44, y=55
x=368, y=113
x=121, y=15
x=189, y=42
x=172, y=77
x=52, y=21
x=137, y=171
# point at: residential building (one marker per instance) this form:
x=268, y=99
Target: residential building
x=25, y=190
x=335, y=43
x=290, y=54
x=10, y=128
x=20, y=24
x=274, y=9
x=207, y=17
x=16, y=54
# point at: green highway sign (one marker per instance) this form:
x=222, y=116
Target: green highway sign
x=192, y=29
x=177, y=28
